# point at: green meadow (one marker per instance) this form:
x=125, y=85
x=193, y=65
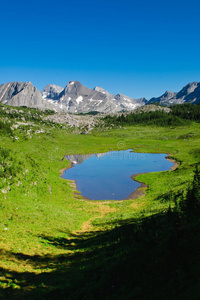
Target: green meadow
x=54, y=244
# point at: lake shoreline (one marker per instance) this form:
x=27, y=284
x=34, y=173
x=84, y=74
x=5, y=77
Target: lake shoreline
x=140, y=191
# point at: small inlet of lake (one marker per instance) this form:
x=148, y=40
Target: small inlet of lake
x=107, y=176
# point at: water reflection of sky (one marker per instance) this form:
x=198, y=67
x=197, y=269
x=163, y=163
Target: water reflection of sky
x=107, y=176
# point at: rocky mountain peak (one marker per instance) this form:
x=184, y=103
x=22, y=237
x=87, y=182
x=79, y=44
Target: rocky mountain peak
x=76, y=98
x=99, y=89
x=187, y=89
x=74, y=84
x=51, y=91
x=22, y=94
x=168, y=93
x=73, y=87
x=189, y=93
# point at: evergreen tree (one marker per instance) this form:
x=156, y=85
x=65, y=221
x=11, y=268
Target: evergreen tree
x=193, y=194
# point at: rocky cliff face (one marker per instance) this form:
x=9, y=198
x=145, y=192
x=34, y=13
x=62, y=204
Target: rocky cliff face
x=22, y=94
x=51, y=91
x=188, y=94
x=76, y=98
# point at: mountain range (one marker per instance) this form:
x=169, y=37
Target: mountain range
x=76, y=98
x=189, y=94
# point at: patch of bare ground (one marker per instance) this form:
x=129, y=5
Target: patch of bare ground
x=103, y=209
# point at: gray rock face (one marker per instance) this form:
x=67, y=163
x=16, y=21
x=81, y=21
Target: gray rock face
x=127, y=104
x=76, y=98
x=9, y=90
x=164, y=98
x=52, y=92
x=22, y=94
x=189, y=94
x=101, y=90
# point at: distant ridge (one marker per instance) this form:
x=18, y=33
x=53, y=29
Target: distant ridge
x=76, y=98
x=188, y=94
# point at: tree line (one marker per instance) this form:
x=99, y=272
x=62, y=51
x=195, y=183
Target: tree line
x=180, y=114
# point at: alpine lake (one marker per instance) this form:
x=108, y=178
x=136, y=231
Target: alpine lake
x=107, y=176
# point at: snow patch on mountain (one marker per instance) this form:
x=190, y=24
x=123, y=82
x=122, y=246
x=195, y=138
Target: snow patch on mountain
x=79, y=99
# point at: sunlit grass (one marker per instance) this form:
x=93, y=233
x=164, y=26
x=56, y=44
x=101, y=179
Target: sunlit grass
x=41, y=208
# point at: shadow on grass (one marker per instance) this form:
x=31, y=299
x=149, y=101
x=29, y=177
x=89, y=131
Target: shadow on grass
x=152, y=258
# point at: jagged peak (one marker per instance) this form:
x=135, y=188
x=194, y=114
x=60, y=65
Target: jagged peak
x=99, y=89
x=74, y=82
x=122, y=95
x=168, y=93
x=188, y=88
x=192, y=83
x=52, y=86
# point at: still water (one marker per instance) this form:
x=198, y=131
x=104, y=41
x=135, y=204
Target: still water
x=107, y=176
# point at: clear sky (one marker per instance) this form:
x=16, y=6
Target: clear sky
x=138, y=48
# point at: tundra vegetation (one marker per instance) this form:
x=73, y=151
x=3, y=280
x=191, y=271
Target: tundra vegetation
x=56, y=245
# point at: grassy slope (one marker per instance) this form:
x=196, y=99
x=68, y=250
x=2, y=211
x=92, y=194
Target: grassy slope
x=44, y=241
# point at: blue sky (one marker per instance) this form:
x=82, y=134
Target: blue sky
x=138, y=48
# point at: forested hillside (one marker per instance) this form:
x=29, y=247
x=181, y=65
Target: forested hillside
x=180, y=114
